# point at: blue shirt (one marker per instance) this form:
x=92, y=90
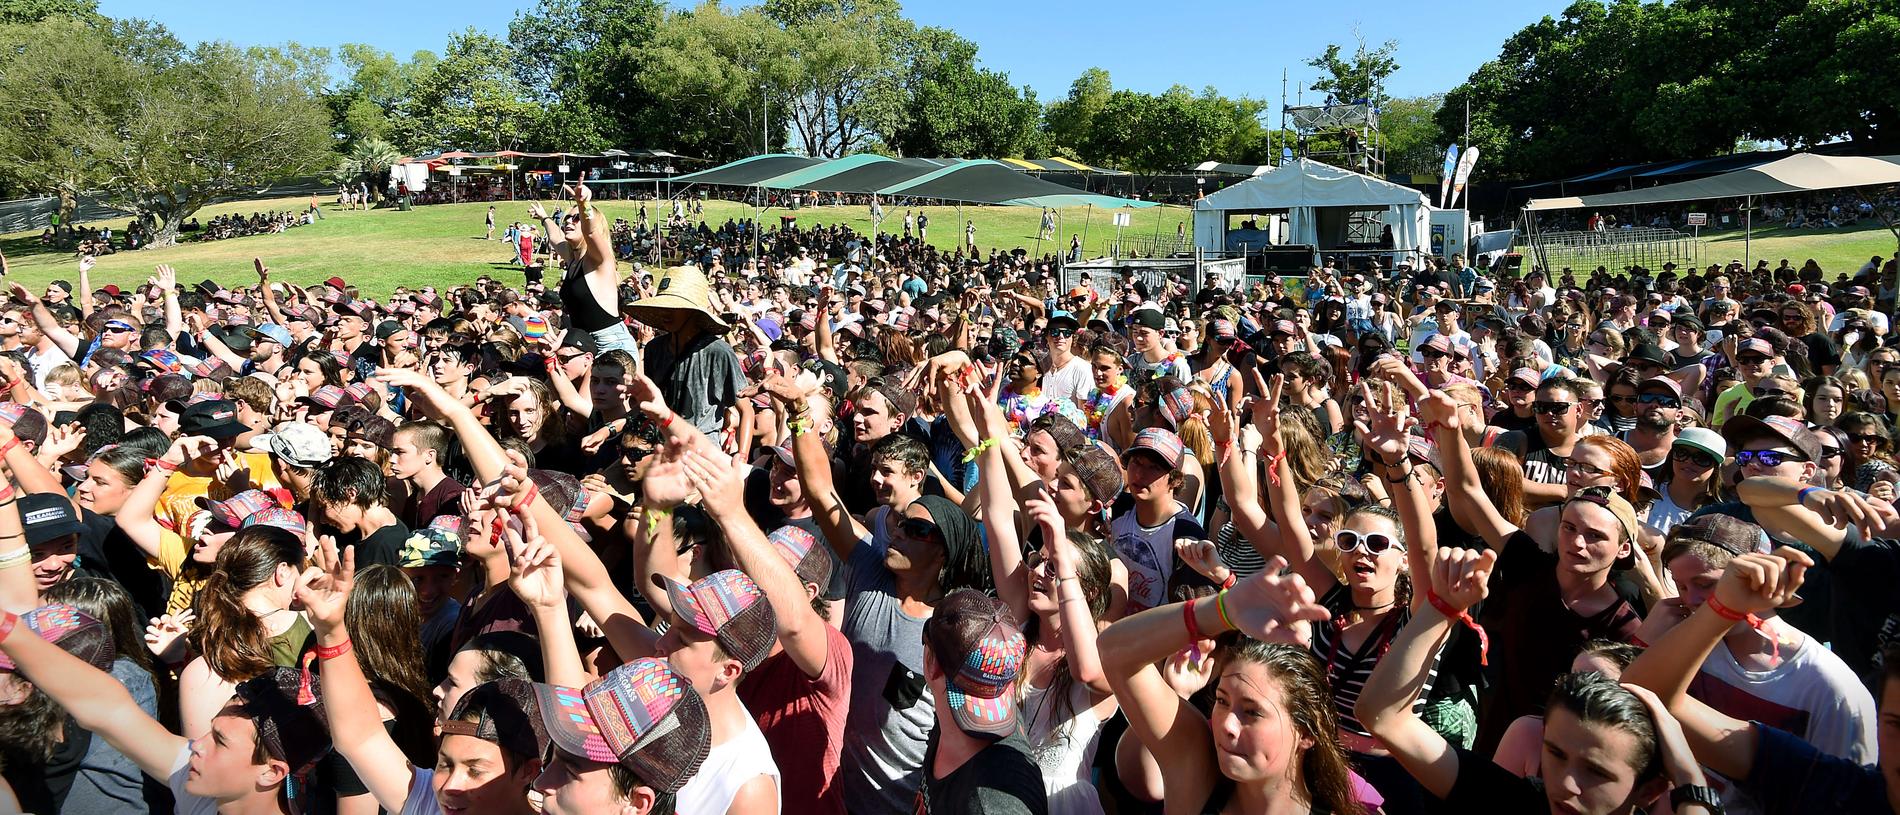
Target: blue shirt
x=1793, y=776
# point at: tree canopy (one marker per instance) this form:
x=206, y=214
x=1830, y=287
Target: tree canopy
x=159, y=128
x=1621, y=81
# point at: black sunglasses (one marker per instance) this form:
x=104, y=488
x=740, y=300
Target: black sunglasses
x=1057, y=333
x=1696, y=457
x=1552, y=408
x=1664, y=399
x=918, y=528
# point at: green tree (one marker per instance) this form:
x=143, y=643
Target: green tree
x=367, y=104
x=159, y=130
x=17, y=12
x=470, y=99
x=577, y=57
x=722, y=79
x=368, y=161
x=844, y=68
x=1412, y=138
x=1347, y=80
x=1067, y=122
x=969, y=112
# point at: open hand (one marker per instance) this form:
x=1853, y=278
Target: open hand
x=324, y=587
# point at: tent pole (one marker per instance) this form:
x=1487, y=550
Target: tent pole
x=1748, y=231
x=1086, y=217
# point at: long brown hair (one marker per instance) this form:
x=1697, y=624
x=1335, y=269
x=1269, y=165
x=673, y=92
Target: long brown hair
x=234, y=642
x=1309, y=704
x=1502, y=477
x=383, y=619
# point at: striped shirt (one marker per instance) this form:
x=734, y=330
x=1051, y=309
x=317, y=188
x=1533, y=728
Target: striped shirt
x=1347, y=669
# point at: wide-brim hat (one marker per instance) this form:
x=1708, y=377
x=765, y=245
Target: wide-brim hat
x=682, y=288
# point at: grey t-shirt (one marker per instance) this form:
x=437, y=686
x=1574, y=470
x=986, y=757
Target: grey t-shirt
x=107, y=781
x=700, y=381
x=892, y=712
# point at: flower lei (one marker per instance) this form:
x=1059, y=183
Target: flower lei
x=1167, y=363
x=1102, y=400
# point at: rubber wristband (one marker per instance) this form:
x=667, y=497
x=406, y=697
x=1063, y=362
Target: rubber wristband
x=1230, y=581
x=1220, y=605
x=1801, y=498
x=1463, y=616
x=1193, y=627
x=8, y=447
x=7, y=620
x=1751, y=620
x=329, y=652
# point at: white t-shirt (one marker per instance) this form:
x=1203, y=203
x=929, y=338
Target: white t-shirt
x=728, y=767
x=1810, y=693
x=1073, y=381
x=1875, y=321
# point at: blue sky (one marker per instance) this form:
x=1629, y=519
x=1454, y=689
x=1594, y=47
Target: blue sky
x=1239, y=47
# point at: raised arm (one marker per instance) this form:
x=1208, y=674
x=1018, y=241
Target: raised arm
x=135, y=517
x=264, y=291
x=19, y=591
x=1470, y=507
x=356, y=729
x=48, y=324
x=720, y=482
x=1815, y=516
x=167, y=281
x=1387, y=443
x=1458, y=578
x=1078, y=621
x=1751, y=583
x=586, y=575
x=534, y=574
x=197, y=324
x=813, y=463
x=1265, y=606
x=598, y=234
x=93, y=698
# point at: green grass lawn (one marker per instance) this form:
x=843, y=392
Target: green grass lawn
x=441, y=245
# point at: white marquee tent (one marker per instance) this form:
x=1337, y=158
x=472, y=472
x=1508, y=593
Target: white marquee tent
x=1317, y=201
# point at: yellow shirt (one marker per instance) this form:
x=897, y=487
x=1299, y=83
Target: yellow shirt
x=182, y=491
x=174, y=554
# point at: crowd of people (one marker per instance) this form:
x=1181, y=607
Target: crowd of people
x=856, y=524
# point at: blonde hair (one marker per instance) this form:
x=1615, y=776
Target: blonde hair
x=65, y=373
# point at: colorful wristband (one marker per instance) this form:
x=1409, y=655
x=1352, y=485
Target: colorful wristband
x=1193, y=626
x=1463, y=616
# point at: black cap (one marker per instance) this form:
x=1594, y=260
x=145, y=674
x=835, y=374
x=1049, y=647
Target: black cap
x=388, y=328
x=48, y=516
x=216, y=418
x=1149, y=318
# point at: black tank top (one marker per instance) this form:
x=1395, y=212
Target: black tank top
x=582, y=307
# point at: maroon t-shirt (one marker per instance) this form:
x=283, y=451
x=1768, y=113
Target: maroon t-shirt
x=444, y=499
x=798, y=713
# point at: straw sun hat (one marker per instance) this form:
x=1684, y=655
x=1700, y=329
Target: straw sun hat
x=682, y=293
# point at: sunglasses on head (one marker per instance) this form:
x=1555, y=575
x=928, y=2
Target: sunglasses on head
x=1769, y=393
x=1552, y=408
x=1372, y=543
x=1664, y=399
x=1767, y=458
x=1696, y=457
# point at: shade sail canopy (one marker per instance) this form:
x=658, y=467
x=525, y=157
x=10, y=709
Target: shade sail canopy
x=874, y=176
x=750, y=172
x=1802, y=172
x=802, y=178
x=991, y=182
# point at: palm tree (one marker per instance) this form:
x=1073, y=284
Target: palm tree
x=369, y=158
